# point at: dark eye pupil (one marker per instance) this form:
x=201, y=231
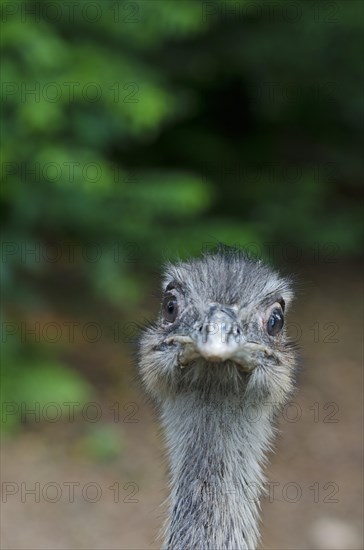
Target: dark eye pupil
x=275, y=322
x=170, y=308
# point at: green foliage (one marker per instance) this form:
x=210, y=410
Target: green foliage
x=151, y=130
x=102, y=443
x=33, y=389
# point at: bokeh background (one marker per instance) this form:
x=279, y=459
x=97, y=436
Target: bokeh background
x=135, y=132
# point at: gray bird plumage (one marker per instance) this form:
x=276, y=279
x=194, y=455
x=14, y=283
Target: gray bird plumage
x=219, y=365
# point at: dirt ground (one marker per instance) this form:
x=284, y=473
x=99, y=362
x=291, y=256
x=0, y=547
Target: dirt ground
x=315, y=498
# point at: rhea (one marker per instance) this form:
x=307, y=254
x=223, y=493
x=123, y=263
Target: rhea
x=219, y=365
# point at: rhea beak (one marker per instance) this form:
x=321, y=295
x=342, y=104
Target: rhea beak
x=218, y=339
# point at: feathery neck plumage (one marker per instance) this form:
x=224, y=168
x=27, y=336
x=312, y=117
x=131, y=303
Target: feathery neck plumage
x=216, y=452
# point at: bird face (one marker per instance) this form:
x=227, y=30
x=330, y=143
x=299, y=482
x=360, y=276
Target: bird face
x=223, y=332
x=221, y=323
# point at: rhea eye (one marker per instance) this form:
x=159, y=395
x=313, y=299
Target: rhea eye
x=170, y=308
x=275, y=322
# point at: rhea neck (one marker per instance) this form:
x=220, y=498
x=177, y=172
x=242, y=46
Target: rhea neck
x=216, y=448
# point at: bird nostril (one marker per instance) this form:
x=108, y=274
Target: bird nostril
x=238, y=331
x=200, y=329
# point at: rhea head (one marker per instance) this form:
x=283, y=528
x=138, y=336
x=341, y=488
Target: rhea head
x=221, y=328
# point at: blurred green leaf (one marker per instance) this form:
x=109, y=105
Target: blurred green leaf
x=103, y=443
